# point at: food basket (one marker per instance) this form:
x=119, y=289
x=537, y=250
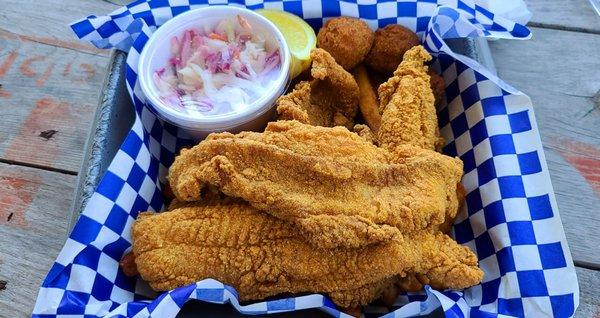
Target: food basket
x=510, y=219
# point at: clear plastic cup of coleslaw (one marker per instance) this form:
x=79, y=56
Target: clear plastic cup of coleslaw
x=214, y=69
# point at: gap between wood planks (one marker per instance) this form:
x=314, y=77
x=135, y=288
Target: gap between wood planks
x=36, y=166
x=586, y=265
x=74, y=45
x=552, y=26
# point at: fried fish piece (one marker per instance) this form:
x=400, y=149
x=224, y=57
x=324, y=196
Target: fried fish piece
x=330, y=99
x=365, y=132
x=336, y=186
x=407, y=105
x=262, y=256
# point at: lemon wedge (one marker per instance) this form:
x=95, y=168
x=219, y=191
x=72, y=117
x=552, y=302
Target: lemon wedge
x=299, y=36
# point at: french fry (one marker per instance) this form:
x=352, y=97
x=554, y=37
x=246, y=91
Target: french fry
x=367, y=100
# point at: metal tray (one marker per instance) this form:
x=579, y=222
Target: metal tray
x=114, y=118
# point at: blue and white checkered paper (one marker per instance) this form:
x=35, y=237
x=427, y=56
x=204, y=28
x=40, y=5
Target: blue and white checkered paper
x=510, y=218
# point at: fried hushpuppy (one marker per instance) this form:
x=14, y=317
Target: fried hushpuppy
x=389, y=46
x=347, y=39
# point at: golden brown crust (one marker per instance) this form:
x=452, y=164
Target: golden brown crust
x=407, y=105
x=339, y=188
x=347, y=39
x=363, y=295
x=297, y=105
x=446, y=227
x=330, y=99
x=389, y=45
x=261, y=256
x=366, y=133
x=336, y=87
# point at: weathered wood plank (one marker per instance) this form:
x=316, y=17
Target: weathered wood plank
x=589, y=301
x=34, y=208
x=48, y=21
x=576, y=15
x=45, y=88
x=557, y=69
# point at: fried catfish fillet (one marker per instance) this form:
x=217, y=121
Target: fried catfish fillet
x=261, y=256
x=339, y=188
x=408, y=115
x=330, y=99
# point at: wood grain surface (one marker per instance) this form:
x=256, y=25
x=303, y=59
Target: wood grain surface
x=46, y=88
x=589, y=302
x=50, y=87
x=48, y=21
x=34, y=210
x=574, y=15
x=556, y=69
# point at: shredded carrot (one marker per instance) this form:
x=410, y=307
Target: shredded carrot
x=216, y=36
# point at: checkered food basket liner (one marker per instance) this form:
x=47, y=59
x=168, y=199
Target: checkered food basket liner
x=510, y=219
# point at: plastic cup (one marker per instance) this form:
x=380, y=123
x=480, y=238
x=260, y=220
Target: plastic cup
x=156, y=54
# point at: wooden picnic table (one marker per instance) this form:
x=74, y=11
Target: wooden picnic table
x=50, y=89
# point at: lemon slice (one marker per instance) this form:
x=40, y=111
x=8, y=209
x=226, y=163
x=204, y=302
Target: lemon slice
x=299, y=36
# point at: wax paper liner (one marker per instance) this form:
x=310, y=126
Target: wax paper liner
x=510, y=219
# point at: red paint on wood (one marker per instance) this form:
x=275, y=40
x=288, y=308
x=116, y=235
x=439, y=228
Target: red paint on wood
x=42, y=79
x=4, y=93
x=16, y=194
x=584, y=157
x=25, y=67
x=8, y=62
x=67, y=69
x=89, y=70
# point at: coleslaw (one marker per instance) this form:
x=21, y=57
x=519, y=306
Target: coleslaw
x=218, y=70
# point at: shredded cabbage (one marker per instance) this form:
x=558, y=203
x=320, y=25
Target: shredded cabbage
x=217, y=70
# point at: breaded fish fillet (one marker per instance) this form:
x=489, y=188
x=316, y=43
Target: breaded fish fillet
x=330, y=99
x=338, y=187
x=408, y=115
x=262, y=256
